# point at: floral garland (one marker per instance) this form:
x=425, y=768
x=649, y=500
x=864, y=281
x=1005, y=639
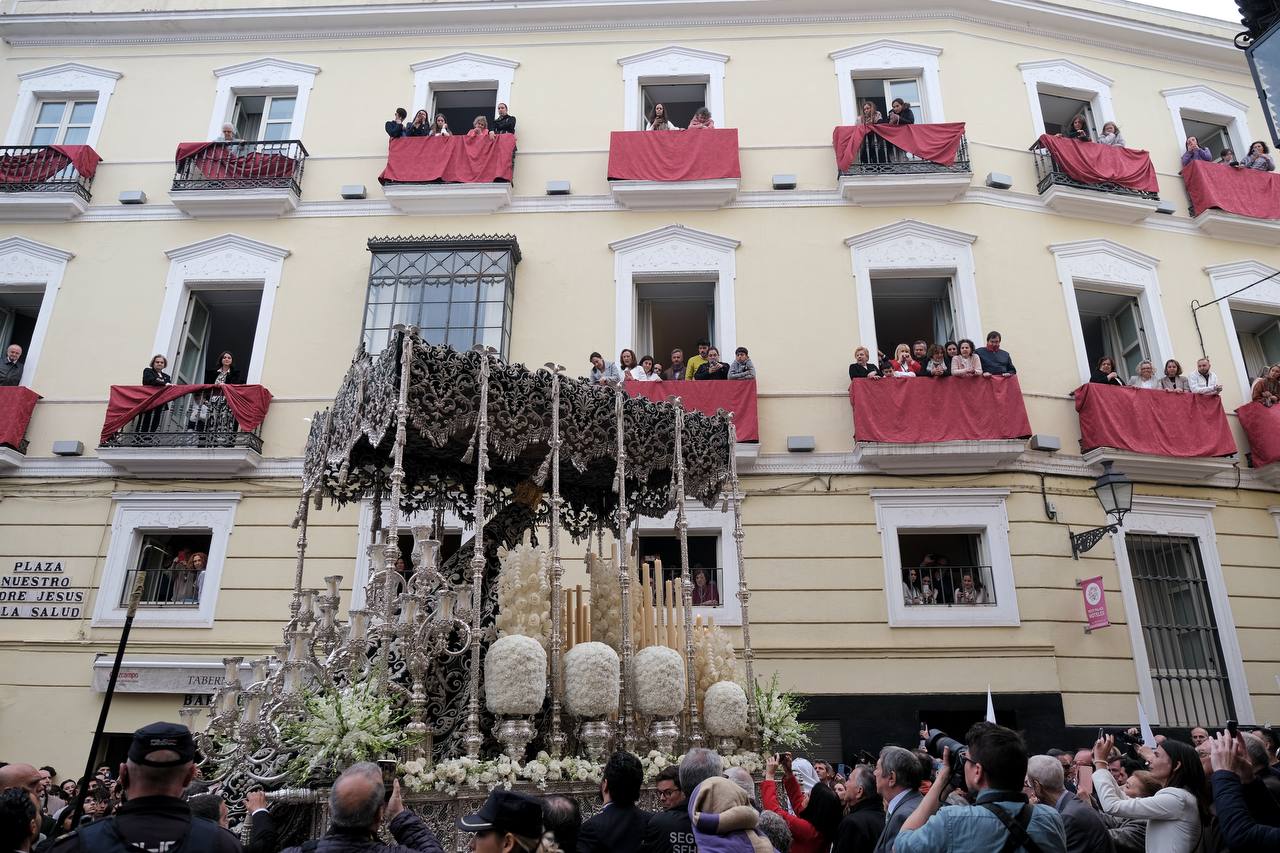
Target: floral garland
x=778, y=712
x=752, y=762
x=714, y=659
x=655, y=761
x=659, y=681
x=515, y=676
x=591, y=672
x=726, y=709
x=337, y=729
x=449, y=777
x=524, y=596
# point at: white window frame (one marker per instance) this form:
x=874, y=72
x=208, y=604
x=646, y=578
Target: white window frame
x=68, y=81
x=672, y=64
x=908, y=248
x=461, y=71
x=139, y=513
x=267, y=101
x=675, y=253
x=452, y=524
x=1192, y=518
x=1201, y=103
x=1101, y=265
x=266, y=76
x=940, y=510
x=26, y=265
x=64, y=123
x=1066, y=79
x=884, y=59
x=225, y=262
x=1262, y=298
x=703, y=520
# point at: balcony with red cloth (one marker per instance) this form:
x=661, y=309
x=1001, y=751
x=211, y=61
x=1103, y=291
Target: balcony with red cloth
x=232, y=179
x=1090, y=180
x=46, y=182
x=953, y=425
x=1262, y=427
x=1158, y=436
x=883, y=164
x=674, y=170
x=449, y=174
x=737, y=396
x=178, y=430
x=1234, y=204
x=16, y=405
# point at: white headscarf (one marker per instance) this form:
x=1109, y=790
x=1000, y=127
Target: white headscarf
x=805, y=774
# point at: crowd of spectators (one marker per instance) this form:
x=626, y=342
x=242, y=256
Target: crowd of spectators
x=936, y=581
x=706, y=365
x=1259, y=157
x=424, y=125
x=935, y=361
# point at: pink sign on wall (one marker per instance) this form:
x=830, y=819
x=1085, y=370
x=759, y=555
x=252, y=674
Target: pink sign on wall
x=1095, y=604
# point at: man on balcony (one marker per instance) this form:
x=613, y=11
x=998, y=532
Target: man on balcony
x=12, y=366
x=1204, y=380
x=996, y=361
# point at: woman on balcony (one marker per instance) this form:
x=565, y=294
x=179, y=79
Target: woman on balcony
x=862, y=368
x=912, y=593
x=1106, y=373
x=1195, y=152
x=628, y=363
x=1259, y=158
x=480, y=127
x=646, y=371
x=440, y=127
x=187, y=577
x=702, y=120
x=154, y=377
x=900, y=113
x=936, y=367
x=1146, y=377
x=1267, y=389
x=966, y=362
x=1173, y=380
x=705, y=592
x=903, y=365
x=1111, y=135
x=1078, y=130
x=659, y=120
x=869, y=114
x=420, y=126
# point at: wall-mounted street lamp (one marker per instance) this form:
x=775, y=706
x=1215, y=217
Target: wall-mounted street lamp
x=1115, y=492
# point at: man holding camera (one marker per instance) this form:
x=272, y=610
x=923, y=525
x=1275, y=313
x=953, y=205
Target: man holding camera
x=993, y=767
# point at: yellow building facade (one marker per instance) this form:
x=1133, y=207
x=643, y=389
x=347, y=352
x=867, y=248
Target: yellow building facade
x=95, y=280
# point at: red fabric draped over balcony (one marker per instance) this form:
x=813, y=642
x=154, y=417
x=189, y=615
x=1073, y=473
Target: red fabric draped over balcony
x=1262, y=425
x=16, y=405
x=247, y=402
x=672, y=155
x=1247, y=192
x=219, y=160
x=449, y=159
x=937, y=143
x=916, y=411
x=42, y=164
x=1158, y=423
x=737, y=396
x=1095, y=163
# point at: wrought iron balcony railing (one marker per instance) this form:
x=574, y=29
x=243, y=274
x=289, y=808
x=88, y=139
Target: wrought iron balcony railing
x=199, y=419
x=173, y=587
x=708, y=584
x=948, y=586
x=40, y=168
x=1048, y=174
x=879, y=157
x=243, y=165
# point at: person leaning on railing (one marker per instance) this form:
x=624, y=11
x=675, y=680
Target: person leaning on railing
x=395, y=127
x=900, y=113
x=996, y=361
x=702, y=120
x=1266, y=390
x=154, y=377
x=1146, y=377
x=440, y=127
x=936, y=367
x=1111, y=135
x=1173, y=380
x=742, y=367
x=479, y=127
x=705, y=591
x=862, y=368
x=966, y=362
x=1078, y=129
x=1194, y=151
x=420, y=126
x=659, y=120
x=1258, y=158
x=1105, y=374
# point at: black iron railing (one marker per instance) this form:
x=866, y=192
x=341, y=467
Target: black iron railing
x=199, y=419
x=879, y=157
x=173, y=587
x=243, y=165
x=40, y=168
x=708, y=590
x=1049, y=174
x=948, y=586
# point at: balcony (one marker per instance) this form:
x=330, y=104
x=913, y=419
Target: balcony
x=1234, y=204
x=431, y=175
x=1262, y=426
x=896, y=428
x=737, y=396
x=1155, y=436
x=674, y=170
x=46, y=182
x=908, y=164
x=16, y=406
x=184, y=430
x=1093, y=181
x=221, y=180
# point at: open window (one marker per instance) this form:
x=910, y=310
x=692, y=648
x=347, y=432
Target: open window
x=1112, y=325
x=172, y=568
x=680, y=78
x=883, y=70
x=461, y=106
x=911, y=309
x=672, y=315
x=1216, y=121
x=264, y=117
x=882, y=91
x=1058, y=112
x=705, y=565
x=265, y=100
x=216, y=320
x=945, y=569
x=1058, y=90
x=1210, y=134
x=19, y=311
x=680, y=100
x=1259, y=337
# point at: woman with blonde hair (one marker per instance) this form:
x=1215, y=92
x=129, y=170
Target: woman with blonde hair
x=869, y=114
x=862, y=367
x=903, y=364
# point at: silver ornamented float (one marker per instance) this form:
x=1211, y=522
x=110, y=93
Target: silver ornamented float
x=483, y=669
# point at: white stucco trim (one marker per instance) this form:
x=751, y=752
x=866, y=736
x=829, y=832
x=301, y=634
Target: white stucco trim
x=1067, y=79
x=461, y=71
x=1177, y=517
x=452, y=524
x=910, y=247
x=1205, y=104
x=672, y=64
x=675, y=253
x=889, y=58
x=137, y=513
x=708, y=520
x=1106, y=266
x=266, y=76
x=947, y=510
x=1263, y=298
x=228, y=261
x=68, y=80
x=26, y=265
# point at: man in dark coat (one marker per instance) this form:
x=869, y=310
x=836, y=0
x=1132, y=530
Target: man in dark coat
x=619, y=826
x=670, y=830
x=356, y=812
x=862, y=825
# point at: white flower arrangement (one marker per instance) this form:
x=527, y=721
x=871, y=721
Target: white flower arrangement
x=524, y=595
x=752, y=762
x=659, y=681
x=655, y=761
x=515, y=676
x=591, y=672
x=606, y=602
x=338, y=728
x=452, y=776
x=726, y=709
x=714, y=659
x=543, y=769
x=778, y=712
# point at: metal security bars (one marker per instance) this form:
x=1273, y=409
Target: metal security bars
x=165, y=587
x=243, y=165
x=40, y=168
x=1048, y=174
x=943, y=586
x=1184, y=652
x=879, y=157
x=457, y=290
x=199, y=419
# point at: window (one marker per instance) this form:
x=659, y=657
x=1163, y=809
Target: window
x=704, y=566
x=1259, y=337
x=959, y=538
x=1112, y=325
x=171, y=567
x=458, y=291
x=265, y=99
x=461, y=106
x=711, y=552
x=911, y=309
x=1250, y=307
x=1058, y=112
x=216, y=321
x=681, y=78
x=462, y=86
x=672, y=315
x=1210, y=134
x=883, y=91
x=1058, y=90
x=63, y=122
x=264, y=117
x=61, y=105
x=1215, y=120
x=19, y=310
x=884, y=70
x=455, y=534
x=680, y=100
x=30, y=276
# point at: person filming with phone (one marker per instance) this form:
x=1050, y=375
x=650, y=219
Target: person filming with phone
x=358, y=805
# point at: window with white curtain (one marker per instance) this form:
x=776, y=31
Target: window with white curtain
x=911, y=309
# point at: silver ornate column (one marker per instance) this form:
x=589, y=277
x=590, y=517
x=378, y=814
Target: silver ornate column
x=558, y=739
x=300, y=521
x=473, y=739
x=391, y=549
x=686, y=580
x=629, y=736
x=744, y=592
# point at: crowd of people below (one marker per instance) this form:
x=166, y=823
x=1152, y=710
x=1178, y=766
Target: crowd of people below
x=706, y=365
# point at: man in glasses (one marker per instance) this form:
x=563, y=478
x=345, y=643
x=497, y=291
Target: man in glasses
x=669, y=830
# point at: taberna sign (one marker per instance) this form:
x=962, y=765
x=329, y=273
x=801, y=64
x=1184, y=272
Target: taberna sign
x=181, y=677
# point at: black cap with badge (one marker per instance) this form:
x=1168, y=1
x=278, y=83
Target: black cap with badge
x=506, y=811
x=156, y=737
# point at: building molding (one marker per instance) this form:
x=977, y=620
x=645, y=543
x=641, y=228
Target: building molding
x=265, y=76
x=69, y=79
x=24, y=266
x=1262, y=297
x=1069, y=79
x=672, y=64
x=889, y=58
x=462, y=70
x=1204, y=103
